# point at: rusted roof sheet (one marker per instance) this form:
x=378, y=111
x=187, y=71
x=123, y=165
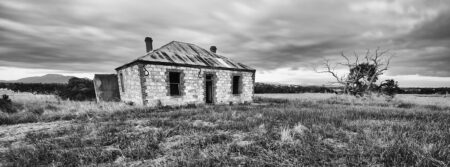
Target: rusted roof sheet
x=190, y=54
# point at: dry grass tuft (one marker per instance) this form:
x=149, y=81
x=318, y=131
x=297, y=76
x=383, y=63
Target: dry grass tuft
x=285, y=135
x=300, y=129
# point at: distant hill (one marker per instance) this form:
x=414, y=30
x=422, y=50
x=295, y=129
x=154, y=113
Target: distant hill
x=49, y=78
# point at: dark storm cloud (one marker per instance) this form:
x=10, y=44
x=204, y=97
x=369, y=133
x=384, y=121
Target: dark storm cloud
x=39, y=37
x=83, y=36
x=97, y=36
x=436, y=29
x=426, y=49
x=292, y=55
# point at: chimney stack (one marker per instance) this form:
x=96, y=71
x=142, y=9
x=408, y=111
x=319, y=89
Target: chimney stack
x=149, y=44
x=213, y=49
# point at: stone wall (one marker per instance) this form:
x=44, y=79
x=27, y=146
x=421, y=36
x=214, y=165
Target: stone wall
x=193, y=79
x=131, y=91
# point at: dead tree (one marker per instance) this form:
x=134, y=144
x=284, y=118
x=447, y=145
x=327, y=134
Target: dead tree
x=364, y=71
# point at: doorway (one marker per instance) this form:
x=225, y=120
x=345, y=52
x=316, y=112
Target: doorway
x=209, y=79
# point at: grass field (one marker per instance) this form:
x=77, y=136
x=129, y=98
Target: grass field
x=277, y=130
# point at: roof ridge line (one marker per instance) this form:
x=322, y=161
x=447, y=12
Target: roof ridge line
x=174, y=41
x=185, y=43
x=159, y=48
x=182, y=52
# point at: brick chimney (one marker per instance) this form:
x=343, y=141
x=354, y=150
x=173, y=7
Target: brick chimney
x=149, y=44
x=213, y=49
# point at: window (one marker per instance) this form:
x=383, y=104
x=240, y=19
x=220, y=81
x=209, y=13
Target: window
x=121, y=82
x=236, y=82
x=175, y=84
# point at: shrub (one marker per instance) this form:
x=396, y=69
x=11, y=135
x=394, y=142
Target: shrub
x=6, y=105
x=389, y=88
x=406, y=105
x=78, y=89
x=36, y=110
x=51, y=107
x=36, y=88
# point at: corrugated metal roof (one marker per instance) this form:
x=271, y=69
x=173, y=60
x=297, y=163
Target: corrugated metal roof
x=190, y=54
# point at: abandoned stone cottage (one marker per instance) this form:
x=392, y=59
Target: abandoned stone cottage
x=181, y=73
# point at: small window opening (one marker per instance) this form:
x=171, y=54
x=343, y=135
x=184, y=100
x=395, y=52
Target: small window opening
x=236, y=81
x=174, y=81
x=122, y=86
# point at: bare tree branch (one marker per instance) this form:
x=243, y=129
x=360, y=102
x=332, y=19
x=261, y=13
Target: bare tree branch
x=363, y=72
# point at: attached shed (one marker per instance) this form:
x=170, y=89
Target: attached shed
x=106, y=87
x=181, y=73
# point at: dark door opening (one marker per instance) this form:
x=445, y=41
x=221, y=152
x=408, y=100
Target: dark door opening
x=209, y=89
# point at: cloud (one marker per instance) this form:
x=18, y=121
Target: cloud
x=435, y=29
x=97, y=36
x=427, y=61
x=425, y=50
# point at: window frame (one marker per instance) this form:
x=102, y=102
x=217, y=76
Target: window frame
x=174, y=84
x=239, y=85
x=180, y=84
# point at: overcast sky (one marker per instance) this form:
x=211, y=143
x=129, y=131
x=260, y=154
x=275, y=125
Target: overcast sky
x=282, y=39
